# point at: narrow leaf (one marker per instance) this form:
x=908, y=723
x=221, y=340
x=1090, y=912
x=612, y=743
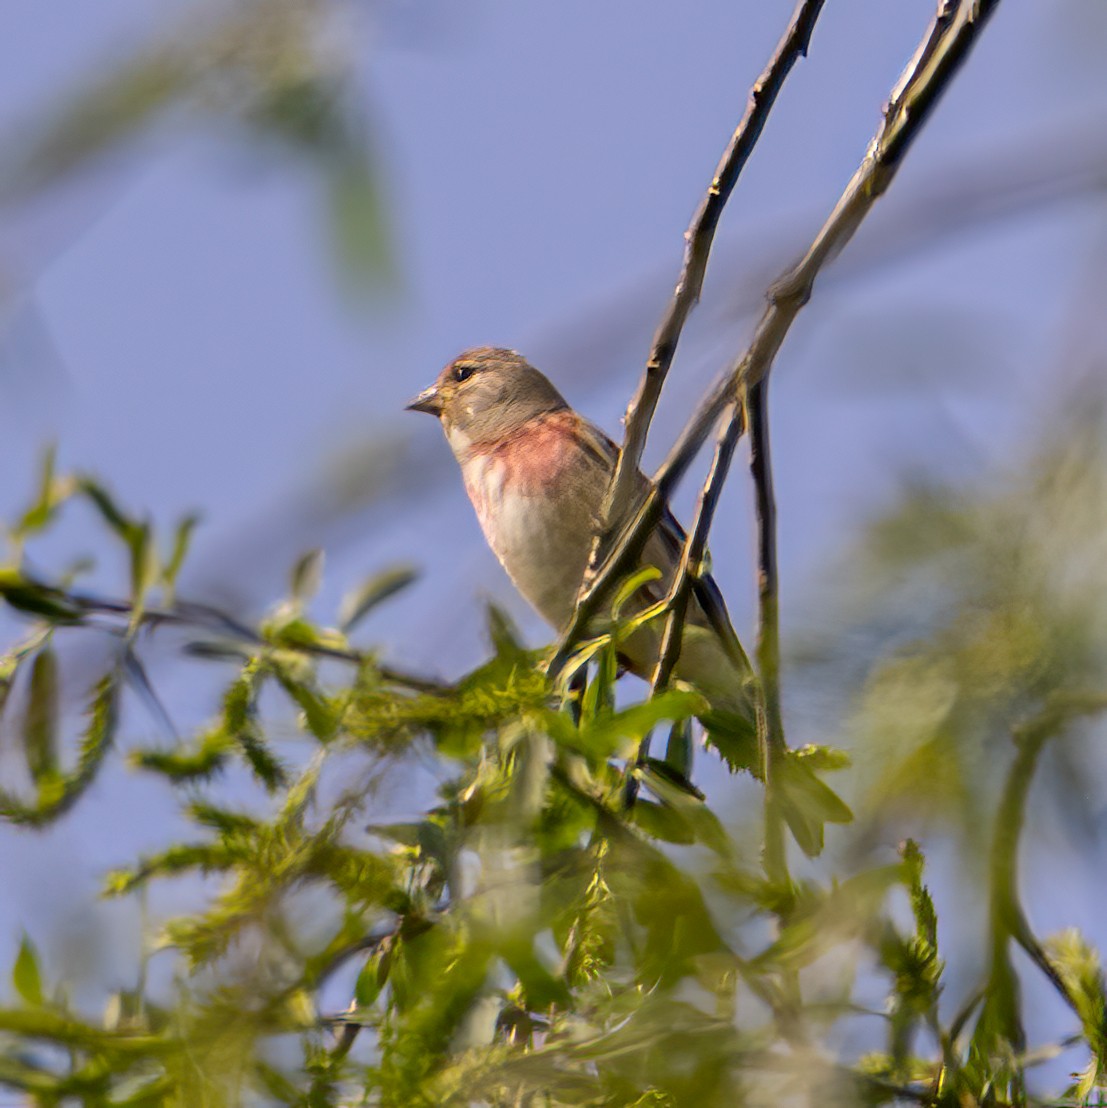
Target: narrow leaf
x=358, y=603
x=40, y=723
x=26, y=976
x=307, y=575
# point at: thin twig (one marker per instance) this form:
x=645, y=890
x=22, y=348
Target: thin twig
x=949, y=39
x=698, y=242
x=689, y=568
x=1007, y=915
x=189, y=614
x=695, y=548
x=770, y=723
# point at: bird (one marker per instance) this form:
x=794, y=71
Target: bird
x=537, y=472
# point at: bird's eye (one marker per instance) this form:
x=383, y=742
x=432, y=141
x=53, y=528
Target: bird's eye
x=463, y=372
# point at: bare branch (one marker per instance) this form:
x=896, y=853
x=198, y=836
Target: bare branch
x=695, y=547
x=944, y=48
x=770, y=723
x=698, y=241
x=951, y=35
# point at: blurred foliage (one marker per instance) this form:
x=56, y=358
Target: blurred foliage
x=543, y=932
x=281, y=69
x=565, y=920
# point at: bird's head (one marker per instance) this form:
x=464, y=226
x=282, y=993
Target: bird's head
x=486, y=395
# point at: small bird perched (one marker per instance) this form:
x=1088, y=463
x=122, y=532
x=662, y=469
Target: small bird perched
x=537, y=473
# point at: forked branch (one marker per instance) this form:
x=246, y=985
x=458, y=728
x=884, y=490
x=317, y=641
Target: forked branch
x=698, y=242
x=952, y=33
x=947, y=43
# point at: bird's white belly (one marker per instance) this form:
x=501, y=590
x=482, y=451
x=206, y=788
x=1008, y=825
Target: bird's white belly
x=542, y=539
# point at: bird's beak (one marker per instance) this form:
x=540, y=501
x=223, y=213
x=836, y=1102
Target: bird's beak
x=427, y=401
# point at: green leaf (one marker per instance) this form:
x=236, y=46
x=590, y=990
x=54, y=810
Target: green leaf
x=357, y=604
x=192, y=761
x=428, y=835
x=541, y=987
x=40, y=722
x=636, y=722
x=57, y=793
x=822, y=759
x=662, y=822
x=734, y=737
x=322, y=715
x=599, y=694
x=307, y=575
x=823, y=920
x=27, y=595
x=144, y=561
x=1078, y=965
x=679, y=749
x=114, y=516
x=662, y=771
x=374, y=975
x=926, y=919
x=182, y=539
x=685, y=801
x=26, y=976
x=630, y=586
x=504, y=635
x=52, y=493
x=806, y=803
x=357, y=222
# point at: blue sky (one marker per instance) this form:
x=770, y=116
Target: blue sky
x=176, y=322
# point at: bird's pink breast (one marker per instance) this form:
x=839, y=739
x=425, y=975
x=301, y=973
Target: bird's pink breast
x=527, y=463
x=529, y=496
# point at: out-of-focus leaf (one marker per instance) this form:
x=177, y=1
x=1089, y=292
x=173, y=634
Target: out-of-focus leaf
x=356, y=605
x=305, y=112
x=14, y=658
x=636, y=722
x=57, y=792
x=1079, y=967
x=26, y=975
x=188, y=762
x=27, y=595
x=627, y=590
x=619, y=733
x=504, y=635
x=427, y=834
x=40, y=722
x=679, y=750
x=807, y=803
x=241, y=725
x=144, y=563
x=92, y=123
x=541, y=988
x=598, y=700
x=111, y=513
x=662, y=822
x=135, y=534
x=373, y=975
x=53, y=491
x=687, y=803
x=825, y=920
x=661, y=772
x=358, y=222
x=182, y=538
x=307, y=575
x=822, y=759
x=734, y=737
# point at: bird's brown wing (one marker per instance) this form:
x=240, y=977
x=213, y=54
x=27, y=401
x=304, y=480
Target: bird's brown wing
x=663, y=549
